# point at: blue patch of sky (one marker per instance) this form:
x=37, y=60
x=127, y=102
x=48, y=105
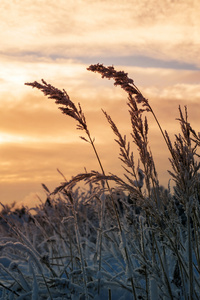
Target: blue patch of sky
x=139, y=61
x=134, y=60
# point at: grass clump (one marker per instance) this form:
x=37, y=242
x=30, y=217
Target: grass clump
x=135, y=241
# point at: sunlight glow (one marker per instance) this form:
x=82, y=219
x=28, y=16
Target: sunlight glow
x=6, y=138
x=9, y=138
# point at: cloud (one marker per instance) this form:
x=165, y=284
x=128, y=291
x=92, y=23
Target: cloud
x=167, y=30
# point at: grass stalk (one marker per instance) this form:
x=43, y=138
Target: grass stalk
x=116, y=214
x=163, y=270
x=190, y=260
x=79, y=244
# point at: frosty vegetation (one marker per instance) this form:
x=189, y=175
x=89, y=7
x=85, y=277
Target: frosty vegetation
x=135, y=241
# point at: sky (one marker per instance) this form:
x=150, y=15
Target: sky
x=156, y=42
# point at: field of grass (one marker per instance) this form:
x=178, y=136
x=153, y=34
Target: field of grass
x=135, y=241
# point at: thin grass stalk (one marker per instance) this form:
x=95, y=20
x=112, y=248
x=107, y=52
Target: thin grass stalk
x=114, y=207
x=145, y=268
x=9, y=289
x=100, y=239
x=190, y=260
x=124, y=155
x=79, y=244
x=197, y=241
x=23, y=280
x=72, y=258
x=109, y=294
x=183, y=267
x=161, y=130
x=12, y=276
x=86, y=234
x=183, y=276
x=163, y=269
x=47, y=286
x=100, y=262
x=107, y=184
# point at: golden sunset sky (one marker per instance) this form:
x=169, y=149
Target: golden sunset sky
x=156, y=42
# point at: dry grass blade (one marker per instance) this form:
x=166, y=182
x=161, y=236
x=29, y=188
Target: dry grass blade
x=61, y=98
x=121, y=78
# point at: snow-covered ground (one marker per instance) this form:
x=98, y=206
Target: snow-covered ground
x=77, y=251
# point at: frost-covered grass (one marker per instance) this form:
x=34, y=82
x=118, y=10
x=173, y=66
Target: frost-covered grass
x=135, y=241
